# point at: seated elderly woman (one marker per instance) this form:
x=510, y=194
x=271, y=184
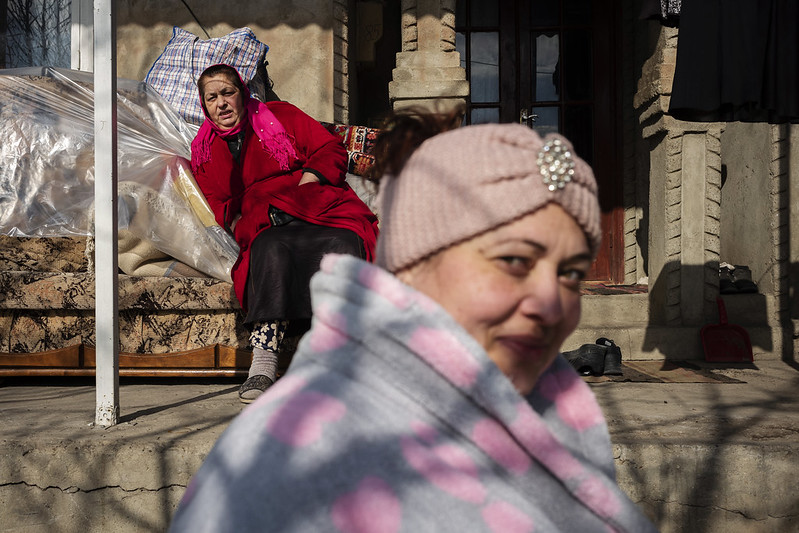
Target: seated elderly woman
x=275, y=178
x=429, y=394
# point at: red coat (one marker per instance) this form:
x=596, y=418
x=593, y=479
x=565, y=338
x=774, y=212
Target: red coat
x=249, y=189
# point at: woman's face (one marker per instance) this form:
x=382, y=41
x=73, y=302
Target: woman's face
x=223, y=101
x=515, y=289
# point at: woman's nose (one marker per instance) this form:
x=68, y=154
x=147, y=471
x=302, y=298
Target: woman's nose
x=543, y=298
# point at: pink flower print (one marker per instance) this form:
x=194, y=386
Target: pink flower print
x=502, y=517
x=385, y=285
x=446, y=354
x=425, y=432
x=301, y=420
x=598, y=496
x=371, y=508
x=447, y=467
x=191, y=490
x=494, y=439
x=328, y=262
x=425, y=303
x=539, y=442
x=285, y=386
x=573, y=400
x=326, y=335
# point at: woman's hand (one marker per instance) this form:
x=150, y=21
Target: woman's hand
x=234, y=222
x=308, y=177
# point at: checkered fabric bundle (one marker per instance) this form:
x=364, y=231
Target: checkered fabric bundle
x=174, y=74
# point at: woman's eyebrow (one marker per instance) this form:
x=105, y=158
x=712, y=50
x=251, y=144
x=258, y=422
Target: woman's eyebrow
x=583, y=256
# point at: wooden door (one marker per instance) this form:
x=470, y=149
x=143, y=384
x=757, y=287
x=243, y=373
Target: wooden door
x=553, y=65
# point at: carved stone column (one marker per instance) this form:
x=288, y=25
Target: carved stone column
x=428, y=70
x=684, y=166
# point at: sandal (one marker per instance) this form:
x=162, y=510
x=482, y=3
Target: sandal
x=254, y=387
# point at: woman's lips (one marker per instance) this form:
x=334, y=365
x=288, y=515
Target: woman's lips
x=525, y=345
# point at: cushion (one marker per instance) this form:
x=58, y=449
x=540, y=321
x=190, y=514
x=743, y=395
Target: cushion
x=174, y=74
x=359, y=141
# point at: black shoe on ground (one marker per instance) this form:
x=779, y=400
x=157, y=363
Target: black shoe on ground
x=612, y=357
x=588, y=359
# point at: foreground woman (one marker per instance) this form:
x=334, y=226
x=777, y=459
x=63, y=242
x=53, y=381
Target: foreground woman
x=274, y=177
x=429, y=394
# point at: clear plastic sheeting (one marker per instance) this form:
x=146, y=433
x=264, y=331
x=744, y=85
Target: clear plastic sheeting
x=47, y=167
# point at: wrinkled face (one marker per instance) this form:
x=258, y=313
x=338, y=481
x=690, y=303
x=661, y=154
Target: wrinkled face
x=515, y=289
x=223, y=101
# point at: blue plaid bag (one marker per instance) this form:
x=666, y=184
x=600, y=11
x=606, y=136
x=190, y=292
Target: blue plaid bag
x=174, y=74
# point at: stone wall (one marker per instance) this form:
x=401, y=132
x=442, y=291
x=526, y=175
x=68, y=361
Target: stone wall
x=306, y=38
x=717, y=192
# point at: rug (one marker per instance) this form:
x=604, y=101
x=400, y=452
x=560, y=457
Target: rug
x=670, y=372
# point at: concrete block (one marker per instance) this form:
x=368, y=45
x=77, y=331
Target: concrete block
x=427, y=89
x=428, y=74
x=426, y=59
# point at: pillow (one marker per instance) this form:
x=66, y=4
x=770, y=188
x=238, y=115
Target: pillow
x=174, y=74
x=359, y=141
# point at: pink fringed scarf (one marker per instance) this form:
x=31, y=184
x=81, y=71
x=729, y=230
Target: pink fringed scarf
x=274, y=138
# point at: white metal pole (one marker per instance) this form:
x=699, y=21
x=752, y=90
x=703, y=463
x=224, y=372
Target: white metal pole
x=105, y=213
x=82, y=35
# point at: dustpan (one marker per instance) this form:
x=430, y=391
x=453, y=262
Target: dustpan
x=725, y=343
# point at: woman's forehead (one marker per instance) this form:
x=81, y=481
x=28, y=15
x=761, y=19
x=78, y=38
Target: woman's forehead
x=217, y=82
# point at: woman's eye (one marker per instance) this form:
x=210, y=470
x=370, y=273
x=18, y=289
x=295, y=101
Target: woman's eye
x=516, y=263
x=573, y=275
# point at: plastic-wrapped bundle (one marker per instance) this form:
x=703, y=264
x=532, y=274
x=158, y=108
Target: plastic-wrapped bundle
x=47, y=167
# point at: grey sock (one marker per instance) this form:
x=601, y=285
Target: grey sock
x=264, y=363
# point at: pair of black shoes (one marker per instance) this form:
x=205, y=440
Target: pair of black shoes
x=602, y=358
x=736, y=279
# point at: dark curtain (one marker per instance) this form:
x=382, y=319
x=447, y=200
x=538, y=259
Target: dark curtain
x=737, y=60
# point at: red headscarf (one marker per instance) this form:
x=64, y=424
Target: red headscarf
x=274, y=138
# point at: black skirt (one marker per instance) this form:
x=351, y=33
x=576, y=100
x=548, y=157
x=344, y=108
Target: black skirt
x=282, y=261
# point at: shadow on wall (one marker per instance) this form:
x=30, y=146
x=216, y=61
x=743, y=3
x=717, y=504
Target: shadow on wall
x=267, y=14
x=678, y=309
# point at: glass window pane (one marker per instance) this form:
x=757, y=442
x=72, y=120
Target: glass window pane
x=578, y=123
x=577, y=12
x=547, y=47
x=484, y=13
x=547, y=120
x=484, y=115
x=37, y=33
x=545, y=13
x=460, y=47
x=577, y=69
x=485, y=67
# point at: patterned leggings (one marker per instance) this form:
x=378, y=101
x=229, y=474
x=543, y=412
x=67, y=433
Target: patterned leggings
x=268, y=335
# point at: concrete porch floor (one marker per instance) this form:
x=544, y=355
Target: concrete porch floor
x=700, y=457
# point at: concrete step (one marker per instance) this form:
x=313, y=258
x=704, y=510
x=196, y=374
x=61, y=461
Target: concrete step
x=627, y=320
x=709, y=457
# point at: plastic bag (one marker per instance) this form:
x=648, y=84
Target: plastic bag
x=47, y=167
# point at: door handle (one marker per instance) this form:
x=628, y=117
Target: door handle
x=526, y=118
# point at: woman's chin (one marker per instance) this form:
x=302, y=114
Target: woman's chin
x=524, y=373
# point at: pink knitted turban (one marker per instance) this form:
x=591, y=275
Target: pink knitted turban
x=464, y=182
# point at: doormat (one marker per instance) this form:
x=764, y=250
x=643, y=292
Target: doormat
x=667, y=372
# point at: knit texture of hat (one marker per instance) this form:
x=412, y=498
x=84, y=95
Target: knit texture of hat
x=467, y=181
